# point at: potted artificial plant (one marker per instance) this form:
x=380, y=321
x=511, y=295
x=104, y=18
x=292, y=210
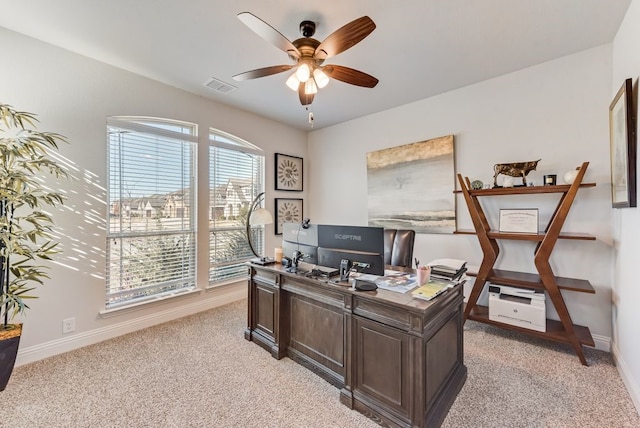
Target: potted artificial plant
x=25, y=237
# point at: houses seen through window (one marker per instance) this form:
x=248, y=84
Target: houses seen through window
x=152, y=195
x=151, y=236
x=236, y=177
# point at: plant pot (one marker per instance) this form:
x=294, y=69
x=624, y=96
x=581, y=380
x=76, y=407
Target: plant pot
x=9, y=341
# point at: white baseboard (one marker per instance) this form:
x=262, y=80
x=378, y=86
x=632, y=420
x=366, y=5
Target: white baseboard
x=603, y=343
x=60, y=346
x=627, y=378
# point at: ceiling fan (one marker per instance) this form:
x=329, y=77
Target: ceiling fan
x=309, y=55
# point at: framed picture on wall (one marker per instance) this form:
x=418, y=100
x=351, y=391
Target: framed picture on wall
x=622, y=138
x=287, y=211
x=288, y=171
x=396, y=180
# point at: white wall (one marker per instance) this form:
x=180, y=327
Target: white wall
x=556, y=111
x=626, y=224
x=73, y=96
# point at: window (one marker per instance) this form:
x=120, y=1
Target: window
x=236, y=177
x=152, y=210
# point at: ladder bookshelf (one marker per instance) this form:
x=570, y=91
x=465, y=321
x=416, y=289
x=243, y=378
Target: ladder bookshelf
x=560, y=331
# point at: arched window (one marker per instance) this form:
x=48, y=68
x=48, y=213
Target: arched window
x=236, y=177
x=151, y=238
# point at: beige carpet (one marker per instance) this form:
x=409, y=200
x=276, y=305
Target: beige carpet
x=200, y=372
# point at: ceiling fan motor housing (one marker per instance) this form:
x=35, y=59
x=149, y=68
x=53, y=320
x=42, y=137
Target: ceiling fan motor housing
x=307, y=28
x=307, y=48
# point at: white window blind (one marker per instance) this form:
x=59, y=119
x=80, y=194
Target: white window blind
x=236, y=177
x=151, y=196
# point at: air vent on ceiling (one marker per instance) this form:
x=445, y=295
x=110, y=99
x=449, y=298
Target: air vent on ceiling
x=219, y=86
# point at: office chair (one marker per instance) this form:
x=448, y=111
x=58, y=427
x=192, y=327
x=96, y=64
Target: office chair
x=398, y=247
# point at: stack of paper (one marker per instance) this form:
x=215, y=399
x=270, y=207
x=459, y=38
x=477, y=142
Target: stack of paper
x=445, y=273
x=448, y=269
x=400, y=282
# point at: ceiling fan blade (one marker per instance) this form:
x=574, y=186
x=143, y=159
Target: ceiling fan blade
x=345, y=37
x=269, y=33
x=261, y=72
x=305, y=99
x=350, y=75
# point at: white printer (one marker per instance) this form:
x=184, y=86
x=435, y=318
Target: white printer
x=517, y=306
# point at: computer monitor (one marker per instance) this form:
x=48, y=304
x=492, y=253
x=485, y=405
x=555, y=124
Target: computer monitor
x=328, y=245
x=363, y=246
x=371, y=263
x=309, y=252
x=297, y=238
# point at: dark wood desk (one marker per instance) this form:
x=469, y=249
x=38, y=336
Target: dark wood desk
x=397, y=359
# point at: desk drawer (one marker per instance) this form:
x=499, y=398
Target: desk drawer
x=385, y=314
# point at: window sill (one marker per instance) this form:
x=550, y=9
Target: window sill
x=153, y=301
x=227, y=283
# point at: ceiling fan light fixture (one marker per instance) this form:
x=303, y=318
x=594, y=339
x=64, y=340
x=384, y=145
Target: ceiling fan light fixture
x=321, y=78
x=308, y=54
x=293, y=82
x=303, y=72
x=310, y=87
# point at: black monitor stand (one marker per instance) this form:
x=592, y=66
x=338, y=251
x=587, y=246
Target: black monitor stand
x=345, y=269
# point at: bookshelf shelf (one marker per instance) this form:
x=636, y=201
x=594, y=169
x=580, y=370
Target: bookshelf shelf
x=555, y=329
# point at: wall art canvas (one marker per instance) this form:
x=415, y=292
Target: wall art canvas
x=287, y=211
x=411, y=186
x=622, y=133
x=288, y=172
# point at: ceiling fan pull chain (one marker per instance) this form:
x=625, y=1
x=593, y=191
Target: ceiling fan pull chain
x=310, y=116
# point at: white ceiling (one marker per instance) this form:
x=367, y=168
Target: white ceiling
x=420, y=48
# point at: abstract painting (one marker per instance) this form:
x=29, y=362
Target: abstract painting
x=411, y=186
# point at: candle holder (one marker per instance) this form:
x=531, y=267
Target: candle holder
x=550, y=180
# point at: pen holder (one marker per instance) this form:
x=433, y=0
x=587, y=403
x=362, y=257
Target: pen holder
x=423, y=275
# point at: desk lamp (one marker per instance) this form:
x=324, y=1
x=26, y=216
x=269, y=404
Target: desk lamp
x=258, y=216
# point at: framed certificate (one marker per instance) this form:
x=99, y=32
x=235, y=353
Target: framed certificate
x=519, y=220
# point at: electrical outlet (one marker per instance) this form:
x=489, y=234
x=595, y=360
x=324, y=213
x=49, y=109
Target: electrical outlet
x=68, y=325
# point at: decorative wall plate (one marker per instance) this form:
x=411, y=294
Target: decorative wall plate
x=288, y=172
x=287, y=211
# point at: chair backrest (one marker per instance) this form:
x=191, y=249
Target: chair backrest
x=389, y=237
x=398, y=247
